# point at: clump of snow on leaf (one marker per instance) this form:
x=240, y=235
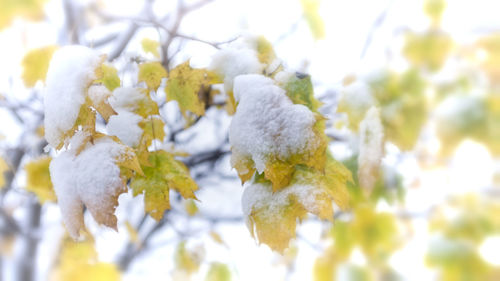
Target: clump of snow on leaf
x=371, y=133
x=98, y=94
x=125, y=125
x=267, y=123
x=70, y=73
x=235, y=60
x=126, y=98
x=91, y=178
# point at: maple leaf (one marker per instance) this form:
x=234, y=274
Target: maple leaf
x=190, y=88
x=271, y=215
x=108, y=76
x=35, y=65
x=151, y=46
x=78, y=261
x=66, y=101
x=164, y=174
x=299, y=89
x=92, y=177
x=428, y=50
x=38, y=179
x=283, y=134
x=188, y=259
x=152, y=73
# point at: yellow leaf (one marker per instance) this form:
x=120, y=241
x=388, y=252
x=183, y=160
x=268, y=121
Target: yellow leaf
x=132, y=233
x=217, y=238
x=190, y=207
x=280, y=172
x=38, y=179
x=153, y=128
x=35, y=65
x=313, y=18
x=434, y=10
x=164, y=174
x=428, y=50
x=265, y=50
x=4, y=167
x=32, y=9
x=86, y=120
x=152, y=73
x=108, y=76
x=99, y=95
x=151, y=46
x=190, y=87
x=218, y=272
x=187, y=260
x=78, y=261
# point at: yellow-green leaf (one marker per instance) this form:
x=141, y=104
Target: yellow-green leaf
x=152, y=73
x=300, y=90
x=190, y=87
x=78, y=261
x=187, y=260
x=165, y=173
x=35, y=65
x=108, y=76
x=38, y=179
x=313, y=18
x=218, y=272
x=32, y=9
x=151, y=46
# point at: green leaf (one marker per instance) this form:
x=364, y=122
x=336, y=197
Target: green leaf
x=300, y=90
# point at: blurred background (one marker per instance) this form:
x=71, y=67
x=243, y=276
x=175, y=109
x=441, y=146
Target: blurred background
x=432, y=67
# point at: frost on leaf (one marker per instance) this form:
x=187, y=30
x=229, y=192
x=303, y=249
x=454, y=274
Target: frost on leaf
x=92, y=179
x=190, y=87
x=371, y=145
x=152, y=73
x=35, y=65
x=165, y=173
x=270, y=134
x=71, y=72
x=272, y=216
x=38, y=179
